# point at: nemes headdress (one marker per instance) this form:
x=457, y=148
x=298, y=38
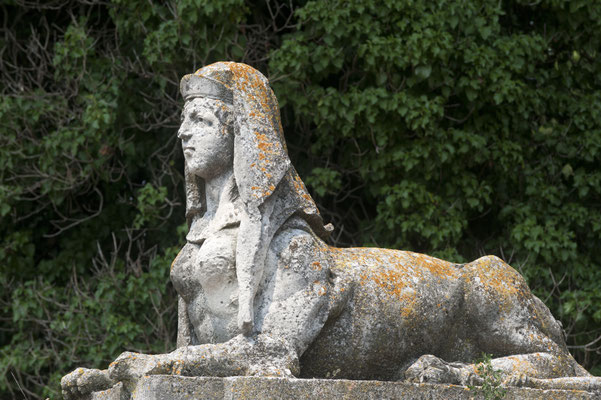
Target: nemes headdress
x=261, y=168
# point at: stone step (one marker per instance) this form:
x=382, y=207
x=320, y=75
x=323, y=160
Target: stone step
x=168, y=387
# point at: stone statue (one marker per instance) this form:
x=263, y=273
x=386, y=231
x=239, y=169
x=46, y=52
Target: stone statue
x=261, y=293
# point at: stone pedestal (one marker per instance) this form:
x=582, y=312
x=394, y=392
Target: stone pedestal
x=163, y=387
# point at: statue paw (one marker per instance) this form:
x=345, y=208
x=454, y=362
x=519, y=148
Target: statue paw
x=81, y=382
x=273, y=357
x=132, y=366
x=431, y=369
x=519, y=380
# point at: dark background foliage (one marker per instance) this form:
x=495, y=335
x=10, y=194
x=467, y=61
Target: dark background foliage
x=457, y=128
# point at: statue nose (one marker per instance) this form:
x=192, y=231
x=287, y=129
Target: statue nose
x=184, y=134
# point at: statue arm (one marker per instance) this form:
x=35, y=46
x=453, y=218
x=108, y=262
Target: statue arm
x=242, y=355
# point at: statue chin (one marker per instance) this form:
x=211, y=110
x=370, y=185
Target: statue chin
x=262, y=294
x=203, y=167
x=198, y=170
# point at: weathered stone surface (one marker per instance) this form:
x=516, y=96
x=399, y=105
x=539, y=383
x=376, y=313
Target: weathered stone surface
x=262, y=294
x=161, y=387
x=117, y=392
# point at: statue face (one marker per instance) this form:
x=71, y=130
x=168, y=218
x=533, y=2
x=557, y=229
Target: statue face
x=207, y=142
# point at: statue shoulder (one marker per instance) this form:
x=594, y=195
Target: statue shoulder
x=296, y=236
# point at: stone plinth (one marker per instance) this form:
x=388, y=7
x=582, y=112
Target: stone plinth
x=163, y=387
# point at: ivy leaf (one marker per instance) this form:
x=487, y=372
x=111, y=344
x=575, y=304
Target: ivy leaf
x=423, y=71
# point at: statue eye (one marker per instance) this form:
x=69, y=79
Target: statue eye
x=198, y=119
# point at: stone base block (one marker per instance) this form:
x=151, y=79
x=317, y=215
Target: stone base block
x=163, y=387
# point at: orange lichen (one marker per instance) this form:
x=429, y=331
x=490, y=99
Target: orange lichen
x=396, y=274
x=499, y=280
x=520, y=365
x=393, y=283
x=319, y=288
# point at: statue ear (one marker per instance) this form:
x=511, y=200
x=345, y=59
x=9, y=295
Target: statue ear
x=260, y=157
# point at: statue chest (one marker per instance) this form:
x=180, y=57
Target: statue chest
x=205, y=274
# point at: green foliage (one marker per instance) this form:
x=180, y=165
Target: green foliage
x=456, y=128
x=324, y=181
x=491, y=386
x=91, y=321
x=150, y=200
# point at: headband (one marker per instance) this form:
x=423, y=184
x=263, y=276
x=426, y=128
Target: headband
x=193, y=86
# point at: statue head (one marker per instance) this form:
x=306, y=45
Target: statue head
x=207, y=137
x=243, y=110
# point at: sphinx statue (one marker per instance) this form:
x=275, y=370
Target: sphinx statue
x=262, y=294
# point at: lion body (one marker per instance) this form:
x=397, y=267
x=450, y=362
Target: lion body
x=374, y=311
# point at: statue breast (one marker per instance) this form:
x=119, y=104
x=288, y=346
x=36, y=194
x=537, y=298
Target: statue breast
x=205, y=276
